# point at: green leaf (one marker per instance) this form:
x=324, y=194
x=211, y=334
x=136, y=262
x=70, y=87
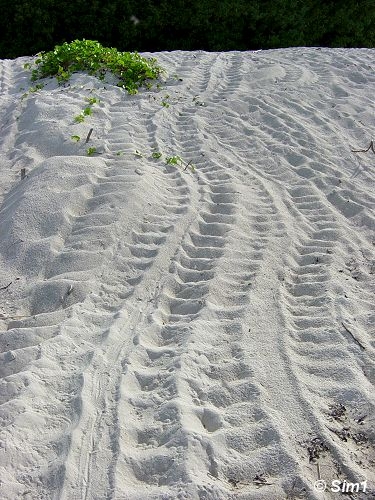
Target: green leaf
x=92, y=100
x=90, y=151
x=79, y=118
x=174, y=160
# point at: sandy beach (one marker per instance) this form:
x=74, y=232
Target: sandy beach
x=187, y=300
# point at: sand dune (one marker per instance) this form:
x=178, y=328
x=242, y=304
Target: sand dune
x=194, y=331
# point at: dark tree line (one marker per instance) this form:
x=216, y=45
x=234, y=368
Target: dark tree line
x=29, y=26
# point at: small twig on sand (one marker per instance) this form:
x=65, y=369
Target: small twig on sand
x=257, y=482
x=353, y=337
x=371, y=146
x=89, y=135
x=186, y=166
x=7, y=286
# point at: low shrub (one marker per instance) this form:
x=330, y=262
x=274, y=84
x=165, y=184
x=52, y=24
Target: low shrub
x=131, y=69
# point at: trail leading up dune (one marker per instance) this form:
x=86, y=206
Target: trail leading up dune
x=201, y=328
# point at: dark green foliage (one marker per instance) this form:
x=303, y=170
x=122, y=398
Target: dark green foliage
x=25, y=25
x=29, y=26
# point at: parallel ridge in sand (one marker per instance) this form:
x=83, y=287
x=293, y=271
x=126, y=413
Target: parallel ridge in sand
x=195, y=334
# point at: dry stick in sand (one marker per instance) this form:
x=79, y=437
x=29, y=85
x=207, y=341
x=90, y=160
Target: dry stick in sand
x=89, y=135
x=371, y=146
x=355, y=340
x=7, y=286
x=187, y=165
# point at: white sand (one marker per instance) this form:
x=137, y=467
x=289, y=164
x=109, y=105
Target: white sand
x=170, y=334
